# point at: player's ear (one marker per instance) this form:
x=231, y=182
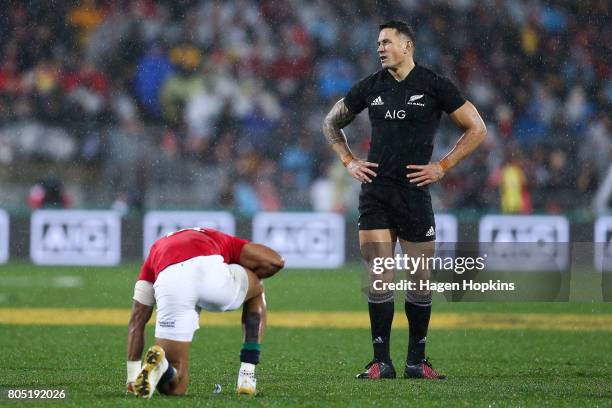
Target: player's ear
x=408, y=46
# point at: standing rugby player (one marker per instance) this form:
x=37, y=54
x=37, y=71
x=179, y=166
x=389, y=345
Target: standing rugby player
x=187, y=271
x=405, y=102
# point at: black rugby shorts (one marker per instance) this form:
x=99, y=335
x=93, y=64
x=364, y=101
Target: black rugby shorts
x=406, y=210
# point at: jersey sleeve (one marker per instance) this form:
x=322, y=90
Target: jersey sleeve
x=146, y=271
x=235, y=247
x=355, y=98
x=449, y=97
x=230, y=245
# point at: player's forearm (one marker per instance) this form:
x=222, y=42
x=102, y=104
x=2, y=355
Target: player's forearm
x=468, y=142
x=343, y=152
x=135, y=344
x=262, y=260
x=332, y=131
x=136, y=330
x=337, y=118
x=337, y=139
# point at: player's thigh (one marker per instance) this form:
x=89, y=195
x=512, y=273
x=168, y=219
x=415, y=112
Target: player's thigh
x=375, y=215
x=386, y=235
x=377, y=249
x=177, y=354
x=414, y=216
x=377, y=243
x=426, y=249
x=176, y=298
x=415, y=250
x=224, y=287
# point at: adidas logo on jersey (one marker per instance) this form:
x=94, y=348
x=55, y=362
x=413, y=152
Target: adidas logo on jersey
x=377, y=102
x=431, y=232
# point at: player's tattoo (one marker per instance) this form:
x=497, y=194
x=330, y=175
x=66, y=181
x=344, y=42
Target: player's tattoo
x=337, y=118
x=252, y=321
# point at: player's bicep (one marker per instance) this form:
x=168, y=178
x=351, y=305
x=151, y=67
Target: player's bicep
x=467, y=117
x=339, y=116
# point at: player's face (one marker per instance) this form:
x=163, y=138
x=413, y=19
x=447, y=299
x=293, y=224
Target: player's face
x=392, y=48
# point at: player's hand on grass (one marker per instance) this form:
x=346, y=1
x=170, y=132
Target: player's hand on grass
x=425, y=173
x=360, y=170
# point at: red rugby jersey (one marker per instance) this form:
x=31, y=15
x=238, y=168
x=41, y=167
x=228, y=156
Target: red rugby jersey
x=185, y=244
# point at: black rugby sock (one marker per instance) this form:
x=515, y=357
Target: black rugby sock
x=167, y=376
x=381, y=317
x=418, y=323
x=250, y=353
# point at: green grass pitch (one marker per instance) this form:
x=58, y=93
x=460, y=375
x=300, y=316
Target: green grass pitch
x=300, y=367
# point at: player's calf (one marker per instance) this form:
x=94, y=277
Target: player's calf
x=253, y=323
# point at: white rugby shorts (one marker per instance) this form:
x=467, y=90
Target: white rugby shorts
x=203, y=282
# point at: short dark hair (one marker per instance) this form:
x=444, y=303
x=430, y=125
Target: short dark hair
x=401, y=26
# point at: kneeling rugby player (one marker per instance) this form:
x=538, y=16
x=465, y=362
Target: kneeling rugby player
x=187, y=271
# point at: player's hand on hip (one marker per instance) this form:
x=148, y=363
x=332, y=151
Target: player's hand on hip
x=361, y=170
x=425, y=173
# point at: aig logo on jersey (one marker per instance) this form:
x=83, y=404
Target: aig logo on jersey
x=603, y=244
x=160, y=223
x=395, y=114
x=525, y=243
x=305, y=240
x=72, y=237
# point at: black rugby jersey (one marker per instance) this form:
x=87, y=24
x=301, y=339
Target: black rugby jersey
x=404, y=116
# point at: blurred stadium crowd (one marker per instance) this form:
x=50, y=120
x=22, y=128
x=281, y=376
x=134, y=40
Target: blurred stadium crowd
x=219, y=104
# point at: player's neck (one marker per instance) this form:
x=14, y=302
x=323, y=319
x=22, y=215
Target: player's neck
x=402, y=71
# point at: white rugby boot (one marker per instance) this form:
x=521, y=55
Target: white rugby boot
x=247, y=384
x=155, y=365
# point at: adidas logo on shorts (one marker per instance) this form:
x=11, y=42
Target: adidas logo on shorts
x=431, y=232
x=377, y=102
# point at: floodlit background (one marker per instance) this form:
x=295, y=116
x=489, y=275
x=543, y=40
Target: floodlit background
x=217, y=104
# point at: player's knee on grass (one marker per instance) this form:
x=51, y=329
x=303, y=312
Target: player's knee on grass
x=178, y=385
x=177, y=354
